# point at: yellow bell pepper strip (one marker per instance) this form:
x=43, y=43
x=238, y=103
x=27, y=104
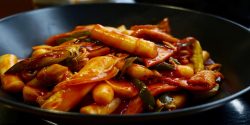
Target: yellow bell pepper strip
x=197, y=58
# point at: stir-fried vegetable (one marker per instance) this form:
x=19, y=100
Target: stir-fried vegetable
x=96, y=69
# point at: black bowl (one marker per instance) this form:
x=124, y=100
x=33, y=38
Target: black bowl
x=227, y=42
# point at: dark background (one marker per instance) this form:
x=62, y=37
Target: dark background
x=235, y=10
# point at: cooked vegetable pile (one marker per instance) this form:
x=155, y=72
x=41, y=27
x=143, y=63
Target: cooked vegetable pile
x=97, y=69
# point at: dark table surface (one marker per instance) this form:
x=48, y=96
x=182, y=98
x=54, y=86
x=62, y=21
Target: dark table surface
x=236, y=112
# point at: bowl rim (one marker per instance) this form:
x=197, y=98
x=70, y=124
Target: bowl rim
x=128, y=4
x=195, y=109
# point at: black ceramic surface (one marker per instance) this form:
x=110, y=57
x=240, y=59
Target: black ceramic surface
x=227, y=42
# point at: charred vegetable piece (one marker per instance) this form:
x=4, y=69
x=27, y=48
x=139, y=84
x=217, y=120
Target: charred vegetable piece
x=144, y=93
x=164, y=66
x=46, y=59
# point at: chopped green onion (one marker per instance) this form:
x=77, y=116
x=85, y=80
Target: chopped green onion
x=72, y=36
x=164, y=66
x=144, y=93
